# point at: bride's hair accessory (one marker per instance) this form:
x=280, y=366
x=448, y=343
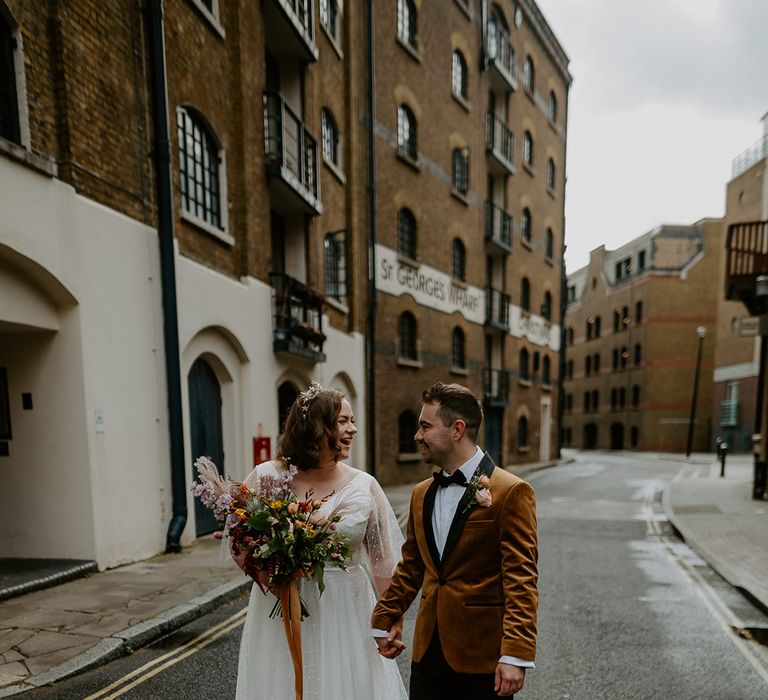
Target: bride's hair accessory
x=308, y=395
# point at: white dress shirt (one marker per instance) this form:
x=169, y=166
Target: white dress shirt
x=446, y=501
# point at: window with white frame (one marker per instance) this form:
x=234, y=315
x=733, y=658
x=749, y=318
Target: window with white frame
x=528, y=149
x=459, y=259
x=407, y=346
x=406, y=233
x=330, y=132
x=406, y=132
x=459, y=75
x=336, y=266
x=550, y=174
x=549, y=244
x=200, y=176
x=529, y=74
x=458, y=354
x=552, y=110
x=526, y=225
x=460, y=170
x=407, y=21
x=329, y=17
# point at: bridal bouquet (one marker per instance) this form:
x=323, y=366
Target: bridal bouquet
x=282, y=537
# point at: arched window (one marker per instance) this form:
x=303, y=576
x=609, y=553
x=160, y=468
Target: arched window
x=331, y=150
x=459, y=256
x=199, y=169
x=407, y=21
x=407, y=425
x=529, y=75
x=329, y=16
x=9, y=101
x=522, y=432
x=336, y=266
x=458, y=355
x=528, y=149
x=546, y=371
x=549, y=244
x=459, y=75
x=406, y=132
x=526, y=225
x=597, y=326
x=552, y=112
x=286, y=395
x=525, y=294
x=615, y=357
x=550, y=174
x=622, y=397
x=406, y=233
x=407, y=337
x=546, y=307
x=460, y=170
x=524, y=368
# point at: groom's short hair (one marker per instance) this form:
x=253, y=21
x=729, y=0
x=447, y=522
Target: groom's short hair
x=456, y=402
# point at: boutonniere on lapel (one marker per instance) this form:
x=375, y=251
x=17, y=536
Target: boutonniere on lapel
x=480, y=490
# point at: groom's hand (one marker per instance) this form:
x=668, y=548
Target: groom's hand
x=392, y=645
x=509, y=679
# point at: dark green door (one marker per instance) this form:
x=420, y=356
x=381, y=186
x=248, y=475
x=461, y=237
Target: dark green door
x=205, y=431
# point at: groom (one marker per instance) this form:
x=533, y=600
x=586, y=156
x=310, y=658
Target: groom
x=474, y=561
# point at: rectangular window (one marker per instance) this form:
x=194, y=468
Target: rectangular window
x=5, y=406
x=641, y=261
x=336, y=266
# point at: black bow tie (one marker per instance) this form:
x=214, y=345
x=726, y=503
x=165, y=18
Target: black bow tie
x=456, y=478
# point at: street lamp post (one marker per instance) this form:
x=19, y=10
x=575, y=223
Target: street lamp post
x=701, y=332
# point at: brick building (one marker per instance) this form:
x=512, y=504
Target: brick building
x=186, y=243
x=471, y=110
x=636, y=318
x=737, y=356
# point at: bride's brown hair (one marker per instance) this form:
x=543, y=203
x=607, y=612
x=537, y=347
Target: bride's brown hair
x=310, y=426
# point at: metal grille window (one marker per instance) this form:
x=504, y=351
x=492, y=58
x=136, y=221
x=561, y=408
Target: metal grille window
x=460, y=174
x=528, y=149
x=330, y=138
x=551, y=174
x=458, y=356
x=459, y=76
x=525, y=294
x=329, y=16
x=336, y=266
x=546, y=307
x=529, y=74
x=522, y=432
x=407, y=340
x=407, y=21
x=549, y=244
x=9, y=108
x=524, y=364
x=407, y=425
x=459, y=255
x=406, y=131
x=526, y=225
x=552, y=112
x=406, y=233
x=199, y=177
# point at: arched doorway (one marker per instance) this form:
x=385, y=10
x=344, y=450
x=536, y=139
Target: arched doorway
x=287, y=393
x=590, y=436
x=617, y=436
x=205, y=430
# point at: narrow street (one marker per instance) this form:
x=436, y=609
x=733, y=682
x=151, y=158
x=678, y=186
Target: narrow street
x=627, y=610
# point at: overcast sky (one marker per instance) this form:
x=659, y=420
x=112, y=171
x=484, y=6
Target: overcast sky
x=665, y=94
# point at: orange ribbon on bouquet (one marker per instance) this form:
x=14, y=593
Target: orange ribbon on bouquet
x=291, y=605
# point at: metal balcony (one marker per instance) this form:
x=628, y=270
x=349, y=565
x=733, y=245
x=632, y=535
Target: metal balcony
x=291, y=29
x=495, y=386
x=500, y=145
x=291, y=157
x=498, y=228
x=729, y=414
x=746, y=259
x=501, y=59
x=297, y=319
x=750, y=157
x=497, y=309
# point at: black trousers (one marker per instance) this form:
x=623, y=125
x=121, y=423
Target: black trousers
x=433, y=679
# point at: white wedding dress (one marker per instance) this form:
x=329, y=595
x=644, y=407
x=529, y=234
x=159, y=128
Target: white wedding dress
x=339, y=654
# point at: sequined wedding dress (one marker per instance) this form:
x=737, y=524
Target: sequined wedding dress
x=339, y=655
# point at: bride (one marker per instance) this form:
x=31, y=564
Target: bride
x=340, y=660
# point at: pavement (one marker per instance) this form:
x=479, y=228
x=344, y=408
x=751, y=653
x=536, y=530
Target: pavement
x=48, y=635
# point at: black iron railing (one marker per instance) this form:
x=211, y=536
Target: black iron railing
x=498, y=226
x=746, y=259
x=496, y=308
x=499, y=138
x=298, y=318
x=501, y=54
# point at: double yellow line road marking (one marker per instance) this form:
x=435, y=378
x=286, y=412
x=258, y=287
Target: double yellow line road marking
x=161, y=663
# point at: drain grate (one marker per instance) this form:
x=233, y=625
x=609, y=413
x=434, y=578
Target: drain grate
x=708, y=509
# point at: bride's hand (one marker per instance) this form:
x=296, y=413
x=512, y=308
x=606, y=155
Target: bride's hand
x=392, y=645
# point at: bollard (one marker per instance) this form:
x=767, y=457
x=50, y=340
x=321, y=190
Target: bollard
x=722, y=448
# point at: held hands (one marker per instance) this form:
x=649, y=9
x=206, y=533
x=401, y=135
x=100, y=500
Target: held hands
x=392, y=645
x=509, y=679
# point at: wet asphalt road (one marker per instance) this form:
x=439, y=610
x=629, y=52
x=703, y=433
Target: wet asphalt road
x=627, y=610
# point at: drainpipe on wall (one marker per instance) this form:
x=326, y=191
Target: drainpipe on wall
x=162, y=154
x=370, y=339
